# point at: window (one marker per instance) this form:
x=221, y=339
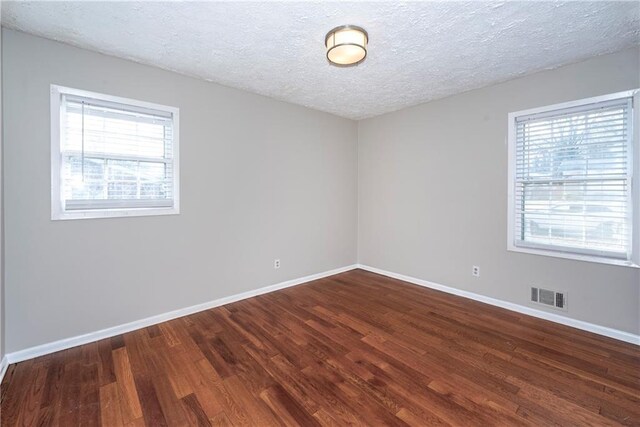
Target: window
x=572, y=190
x=112, y=156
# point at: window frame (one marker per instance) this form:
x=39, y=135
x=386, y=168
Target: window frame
x=634, y=193
x=58, y=211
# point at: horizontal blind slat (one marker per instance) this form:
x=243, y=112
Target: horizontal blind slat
x=116, y=156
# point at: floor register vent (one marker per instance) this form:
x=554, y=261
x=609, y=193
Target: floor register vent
x=549, y=298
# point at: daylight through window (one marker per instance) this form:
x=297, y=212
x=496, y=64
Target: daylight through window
x=115, y=158
x=572, y=177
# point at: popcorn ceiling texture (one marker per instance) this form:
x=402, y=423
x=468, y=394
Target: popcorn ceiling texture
x=418, y=51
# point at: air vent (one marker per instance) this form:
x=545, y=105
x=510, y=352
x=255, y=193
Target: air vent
x=549, y=298
x=559, y=300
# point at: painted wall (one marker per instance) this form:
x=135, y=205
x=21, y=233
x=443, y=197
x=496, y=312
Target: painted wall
x=433, y=195
x=260, y=180
x=2, y=323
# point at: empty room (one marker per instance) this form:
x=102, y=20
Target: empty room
x=304, y=213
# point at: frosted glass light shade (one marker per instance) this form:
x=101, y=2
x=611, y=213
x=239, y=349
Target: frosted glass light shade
x=346, y=45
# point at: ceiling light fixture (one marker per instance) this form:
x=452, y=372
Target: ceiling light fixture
x=346, y=45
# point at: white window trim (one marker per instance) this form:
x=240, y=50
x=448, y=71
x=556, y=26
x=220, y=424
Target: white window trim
x=57, y=202
x=635, y=183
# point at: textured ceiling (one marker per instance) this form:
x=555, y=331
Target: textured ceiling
x=418, y=51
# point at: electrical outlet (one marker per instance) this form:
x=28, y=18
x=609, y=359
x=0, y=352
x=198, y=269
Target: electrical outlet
x=276, y=264
x=475, y=271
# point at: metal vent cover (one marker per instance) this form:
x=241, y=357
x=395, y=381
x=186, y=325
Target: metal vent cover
x=534, y=294
x=547, y=297
x=559, y=300
x=550, y=298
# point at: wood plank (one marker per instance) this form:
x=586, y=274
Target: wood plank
x=197, y=415
x=286, y=409
x=129, y=399
x=110, y=410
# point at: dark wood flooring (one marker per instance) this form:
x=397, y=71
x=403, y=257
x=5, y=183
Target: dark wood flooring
x=355, y=348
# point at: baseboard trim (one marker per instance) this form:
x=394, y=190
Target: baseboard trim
x=579, y=324
x=4, y=364
x=63, y=344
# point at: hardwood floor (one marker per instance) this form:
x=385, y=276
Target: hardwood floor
x=355, y=348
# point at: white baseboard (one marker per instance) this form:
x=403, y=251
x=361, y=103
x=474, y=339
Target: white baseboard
x=579, y=324
x=4, y=364
x=63, y=344
x=52, y=347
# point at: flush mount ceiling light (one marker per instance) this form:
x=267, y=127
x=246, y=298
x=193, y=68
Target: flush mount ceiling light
x=346, y=45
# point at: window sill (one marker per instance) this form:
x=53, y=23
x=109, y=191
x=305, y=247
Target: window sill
x=113, y=213
x=573, y=256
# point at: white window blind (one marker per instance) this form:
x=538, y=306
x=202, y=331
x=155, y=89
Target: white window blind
x=573, y=177
x=115, y=156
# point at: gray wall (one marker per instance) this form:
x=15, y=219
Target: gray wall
x=2, y=335
x=433, y=195
x=260, y=179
